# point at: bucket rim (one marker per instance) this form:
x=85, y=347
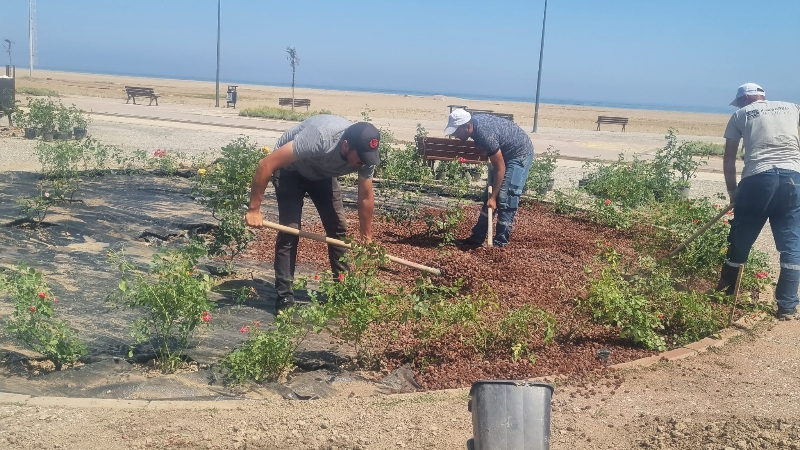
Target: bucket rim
x=518, y=383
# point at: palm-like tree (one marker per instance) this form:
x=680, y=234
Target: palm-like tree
x=291, y=56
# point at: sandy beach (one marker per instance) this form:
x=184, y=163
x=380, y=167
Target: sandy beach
x=380, y=106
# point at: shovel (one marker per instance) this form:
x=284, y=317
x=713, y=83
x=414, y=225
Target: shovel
x=338, y=243
x=490, y=234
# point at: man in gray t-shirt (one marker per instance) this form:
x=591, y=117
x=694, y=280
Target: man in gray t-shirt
x=307, y=160
x=769, y=189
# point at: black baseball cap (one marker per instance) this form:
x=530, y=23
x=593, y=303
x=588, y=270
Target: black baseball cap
x=364, y=138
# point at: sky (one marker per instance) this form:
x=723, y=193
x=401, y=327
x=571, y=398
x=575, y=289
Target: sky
x=679, y=54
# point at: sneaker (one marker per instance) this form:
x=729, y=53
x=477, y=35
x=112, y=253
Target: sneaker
x=793, y=315
x=468, y=242
x=284, y=303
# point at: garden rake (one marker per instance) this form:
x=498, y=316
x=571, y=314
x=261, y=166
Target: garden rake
x=339, y=243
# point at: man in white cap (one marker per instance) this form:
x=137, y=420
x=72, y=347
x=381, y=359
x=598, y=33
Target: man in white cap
x=510, y=153
x=769, y=189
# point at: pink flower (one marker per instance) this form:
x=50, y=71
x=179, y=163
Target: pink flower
x=725, y=222
x=608, y=202
x=46, y=195
x=42, y=295
x=160, y=153
x=55, y=300
x=341, y=277
x=762, y=275
x=243, y=330
x=629, y=167
x=461, y=160
x=716, y=206
x=206, y=317
x=32, y=309
x=696, y=221
x=258, y=323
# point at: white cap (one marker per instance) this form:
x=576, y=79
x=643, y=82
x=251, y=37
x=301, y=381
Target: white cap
x=747, y=89
x=457, y=118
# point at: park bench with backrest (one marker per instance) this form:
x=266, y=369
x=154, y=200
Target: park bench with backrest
x=134, y=92
x=612, y=120
x=443, y=149
x=489, y=111
x=297, y=102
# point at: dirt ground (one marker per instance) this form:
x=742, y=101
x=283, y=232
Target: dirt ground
x=741, y=396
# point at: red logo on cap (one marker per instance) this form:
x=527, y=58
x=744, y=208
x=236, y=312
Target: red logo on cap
x=373, y=143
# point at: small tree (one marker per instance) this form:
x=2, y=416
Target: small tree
x=291, y=56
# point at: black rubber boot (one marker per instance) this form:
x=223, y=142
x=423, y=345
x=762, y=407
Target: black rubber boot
x=727, y=279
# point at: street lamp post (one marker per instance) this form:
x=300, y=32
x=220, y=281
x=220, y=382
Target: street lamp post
x=539, y=79
x=218, y=17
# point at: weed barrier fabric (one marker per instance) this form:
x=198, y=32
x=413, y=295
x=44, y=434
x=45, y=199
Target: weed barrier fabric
x=142, y=213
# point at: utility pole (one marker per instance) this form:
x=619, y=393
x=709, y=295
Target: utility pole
x=539, y=79
x=31, y=45
x=218, y=20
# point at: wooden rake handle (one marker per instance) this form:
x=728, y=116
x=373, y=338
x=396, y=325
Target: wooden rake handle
x=702, y=230
x=339, y=243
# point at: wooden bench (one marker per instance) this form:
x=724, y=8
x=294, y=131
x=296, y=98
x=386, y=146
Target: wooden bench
x=134, y=92
x=443, y=149
x=297, y=102
x=489, y=111
x=612, y=120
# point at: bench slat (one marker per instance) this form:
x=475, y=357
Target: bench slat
x=441, y=149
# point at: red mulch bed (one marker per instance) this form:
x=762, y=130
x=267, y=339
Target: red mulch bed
x=543, y=266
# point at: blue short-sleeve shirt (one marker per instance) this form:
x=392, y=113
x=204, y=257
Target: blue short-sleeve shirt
x=494, y=133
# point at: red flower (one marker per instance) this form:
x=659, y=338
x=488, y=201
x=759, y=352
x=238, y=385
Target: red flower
x=341, y=277
x=461, y=159
x=243, y=330
x=258, y=323
x=373, y=143
x=762, y=275
x=716, y=206
x=660, y=316
x=629, y=167
x=32, y=309
x=608, y=202
x=696, y=221
x=206, y=317
x=316, y=277
x=55, y=300
x=160, y=153
x=725, y=222
x=42, y=295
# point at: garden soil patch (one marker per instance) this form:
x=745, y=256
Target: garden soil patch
x=543, y=266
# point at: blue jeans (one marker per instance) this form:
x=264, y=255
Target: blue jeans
x=773, y=195
x=507, y=201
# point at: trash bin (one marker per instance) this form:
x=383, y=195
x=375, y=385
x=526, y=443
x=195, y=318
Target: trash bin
x=231, y=98
x=510, y=415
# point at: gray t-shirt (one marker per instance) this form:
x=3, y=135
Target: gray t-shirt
x=769, y=129
x=315, y=143
x=494, y=133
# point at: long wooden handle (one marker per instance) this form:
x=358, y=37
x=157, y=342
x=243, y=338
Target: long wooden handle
x=339, y=243
x=702, y=230
x=490, y=233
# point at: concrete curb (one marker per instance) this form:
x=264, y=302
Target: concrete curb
x=687, y=351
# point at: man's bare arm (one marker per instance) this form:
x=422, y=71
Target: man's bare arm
x=278, y=159
x=366, y=207
x=729, y=166
x=499, y=165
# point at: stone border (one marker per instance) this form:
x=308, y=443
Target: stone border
x=687, y=351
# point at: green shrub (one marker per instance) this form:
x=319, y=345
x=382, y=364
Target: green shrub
x=268, y=112
x=32, y=321
x=173, y=298
x=268, y=354
x=700, y=148
x=541, y=172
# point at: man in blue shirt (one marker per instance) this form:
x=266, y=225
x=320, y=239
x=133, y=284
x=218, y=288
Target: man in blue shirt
x=510, y=153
